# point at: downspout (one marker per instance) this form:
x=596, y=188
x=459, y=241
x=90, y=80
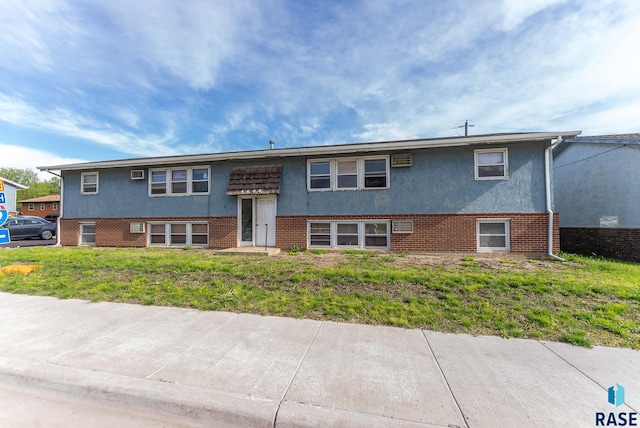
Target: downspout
x=547, y=179
x=61, y=205
x=61, y=211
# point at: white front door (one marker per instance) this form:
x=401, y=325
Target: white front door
x=266, y=221
x=257, y=221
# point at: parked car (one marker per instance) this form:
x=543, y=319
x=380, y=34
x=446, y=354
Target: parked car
x=52, y=217
x=26, y=227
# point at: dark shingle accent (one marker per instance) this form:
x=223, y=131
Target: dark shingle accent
x=255, y=180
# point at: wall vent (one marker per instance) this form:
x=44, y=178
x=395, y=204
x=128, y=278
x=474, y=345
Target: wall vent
x=402, y=226
x=137, y=174
x=401, y=160
x=136, y=227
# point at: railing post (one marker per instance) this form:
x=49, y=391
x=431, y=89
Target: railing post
x=266, y=235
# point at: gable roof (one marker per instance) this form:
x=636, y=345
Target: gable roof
x=326, y=150
x=41, y=199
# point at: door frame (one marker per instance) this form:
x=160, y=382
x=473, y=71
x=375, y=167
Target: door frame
x=254, y=215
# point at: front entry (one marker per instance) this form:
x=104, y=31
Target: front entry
x=257, y=221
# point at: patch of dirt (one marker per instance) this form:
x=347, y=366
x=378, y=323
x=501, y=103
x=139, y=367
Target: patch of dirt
x=492, y=261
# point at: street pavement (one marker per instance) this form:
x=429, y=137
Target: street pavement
x=74, y=363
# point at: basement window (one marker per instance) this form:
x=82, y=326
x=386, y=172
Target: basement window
x=493, y=235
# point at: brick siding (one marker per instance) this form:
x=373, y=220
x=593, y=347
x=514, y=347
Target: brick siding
x=116, y=232
x=623, y=244
x=438, y=232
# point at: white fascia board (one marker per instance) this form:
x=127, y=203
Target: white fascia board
x=315, y=150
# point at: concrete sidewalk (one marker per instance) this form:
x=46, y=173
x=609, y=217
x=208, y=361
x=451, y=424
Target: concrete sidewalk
x=181, y=367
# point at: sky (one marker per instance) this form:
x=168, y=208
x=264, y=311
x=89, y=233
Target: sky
x=93, y=80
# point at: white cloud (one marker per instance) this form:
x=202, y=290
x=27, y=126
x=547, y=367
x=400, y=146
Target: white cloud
x=22, y=158
x=67, y=123
x=516, y=11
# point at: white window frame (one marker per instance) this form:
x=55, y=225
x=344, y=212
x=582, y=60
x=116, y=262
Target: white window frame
x=32, y=206
x=83, y=184
x=504, y=164
x=54, y=206
x=189, y=234
x=362, y=233
x=334, y=173
x=309, y=234
x=83, y=234
x=43, y=206
x=507, y=234
x=168, y=183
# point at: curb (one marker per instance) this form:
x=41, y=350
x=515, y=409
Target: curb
x=203, y=405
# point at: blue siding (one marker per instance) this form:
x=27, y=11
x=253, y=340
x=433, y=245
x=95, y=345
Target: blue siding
x=441, y=180
x=592, y=181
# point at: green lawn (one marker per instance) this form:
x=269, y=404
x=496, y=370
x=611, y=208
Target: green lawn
x=586, y=301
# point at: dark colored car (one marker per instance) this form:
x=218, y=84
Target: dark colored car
x=26, y=227
x=52, y=217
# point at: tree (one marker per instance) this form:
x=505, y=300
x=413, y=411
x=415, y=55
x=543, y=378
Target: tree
x=26, y=176
x=29, y=177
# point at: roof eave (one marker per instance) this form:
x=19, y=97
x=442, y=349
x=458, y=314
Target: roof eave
x=316, y=150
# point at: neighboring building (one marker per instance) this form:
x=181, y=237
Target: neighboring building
x=10, y=192
x=598, y=196
x=42, y=206
x=466, y=194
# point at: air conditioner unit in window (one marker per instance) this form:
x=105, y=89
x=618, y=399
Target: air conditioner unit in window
x=136, y=227
x=402, y=226
x=401, y=160
x=137, y=174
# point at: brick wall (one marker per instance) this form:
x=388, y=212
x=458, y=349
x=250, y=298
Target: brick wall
x=116, y=232
x=437, y=232
x=623, y=244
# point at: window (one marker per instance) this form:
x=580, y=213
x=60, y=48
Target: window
x=87, y=234
x=200, y=234
x=43, y=207
x=347, y=235
x=375, y=173
x=55, y=206
x=319, y=175
x=158, y=182
x=157, y=234
x=491, y=164
x=32, y=207
x=179, y=181
x=200, y=180
x=320, y=234
x=348, y=173
x=493, y=235
x=375, y=235
x=350, y=234
x=179, y=234
x=89, y=183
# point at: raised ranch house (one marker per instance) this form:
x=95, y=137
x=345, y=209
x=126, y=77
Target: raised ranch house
x=466, y=194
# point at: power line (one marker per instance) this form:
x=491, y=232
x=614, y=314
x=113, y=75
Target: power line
x=590, y=157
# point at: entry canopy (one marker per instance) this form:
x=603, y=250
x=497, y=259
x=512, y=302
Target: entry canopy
x=255, y=180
